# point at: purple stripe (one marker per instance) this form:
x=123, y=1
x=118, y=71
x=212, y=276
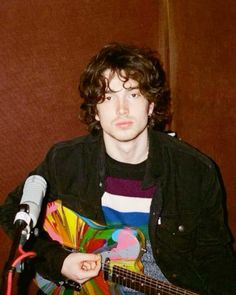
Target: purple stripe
x=127, y=187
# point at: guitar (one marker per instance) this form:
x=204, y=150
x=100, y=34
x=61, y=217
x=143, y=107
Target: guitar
x=120, y=249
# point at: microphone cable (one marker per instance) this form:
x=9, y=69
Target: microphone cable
x=22, y=256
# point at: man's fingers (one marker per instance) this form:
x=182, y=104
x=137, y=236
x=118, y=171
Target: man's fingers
x=91, y=257
x=81, y=267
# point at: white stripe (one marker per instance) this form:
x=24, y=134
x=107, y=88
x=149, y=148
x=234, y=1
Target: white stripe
x=126, y=204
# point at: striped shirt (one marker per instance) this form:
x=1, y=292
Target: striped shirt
x=126, y=203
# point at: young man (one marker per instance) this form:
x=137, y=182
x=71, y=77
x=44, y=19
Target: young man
x=126, y=173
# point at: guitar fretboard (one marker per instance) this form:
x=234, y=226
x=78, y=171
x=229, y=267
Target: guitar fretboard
x=144, y=284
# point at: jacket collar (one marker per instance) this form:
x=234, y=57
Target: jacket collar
x=154, y=162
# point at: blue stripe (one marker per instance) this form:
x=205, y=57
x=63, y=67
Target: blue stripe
x=129, y=219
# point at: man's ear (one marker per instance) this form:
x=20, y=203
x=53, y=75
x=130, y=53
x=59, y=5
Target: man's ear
x=97, y=117
x=150, y=108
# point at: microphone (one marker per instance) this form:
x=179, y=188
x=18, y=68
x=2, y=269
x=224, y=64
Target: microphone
x=31, y=202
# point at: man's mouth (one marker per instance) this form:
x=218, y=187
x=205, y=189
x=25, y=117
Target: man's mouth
x=123, y=123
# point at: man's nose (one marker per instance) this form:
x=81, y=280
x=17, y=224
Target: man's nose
x=122, y=106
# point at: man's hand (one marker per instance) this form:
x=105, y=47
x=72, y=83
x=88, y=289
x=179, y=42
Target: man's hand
x=80, y=267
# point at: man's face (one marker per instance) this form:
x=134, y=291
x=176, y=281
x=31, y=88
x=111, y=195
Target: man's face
x=123, y=114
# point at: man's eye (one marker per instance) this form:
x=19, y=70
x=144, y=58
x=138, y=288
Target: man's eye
x=134, y=95
x=108, y=97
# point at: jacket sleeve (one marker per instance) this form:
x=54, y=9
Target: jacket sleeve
x=213, y=256
x=50, y=254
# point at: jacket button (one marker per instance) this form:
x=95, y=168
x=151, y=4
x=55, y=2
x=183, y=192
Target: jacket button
x=181, y=228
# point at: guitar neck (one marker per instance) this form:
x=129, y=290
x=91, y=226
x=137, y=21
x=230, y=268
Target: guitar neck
x=144, y=284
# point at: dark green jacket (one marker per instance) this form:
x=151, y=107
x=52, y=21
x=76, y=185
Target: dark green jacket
x=187, y=228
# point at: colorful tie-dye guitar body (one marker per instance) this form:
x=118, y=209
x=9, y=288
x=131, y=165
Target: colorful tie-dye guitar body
x=78, y=234
x=120, y=249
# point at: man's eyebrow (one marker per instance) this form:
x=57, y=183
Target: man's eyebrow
x=108, y=90
x=132, y=88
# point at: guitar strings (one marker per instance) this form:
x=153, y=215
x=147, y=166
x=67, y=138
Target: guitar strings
x=164, y=287
x=145, y=281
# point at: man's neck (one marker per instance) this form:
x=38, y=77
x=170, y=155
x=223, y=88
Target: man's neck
x=134, y=151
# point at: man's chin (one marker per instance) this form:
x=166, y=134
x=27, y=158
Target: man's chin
x=125, y=136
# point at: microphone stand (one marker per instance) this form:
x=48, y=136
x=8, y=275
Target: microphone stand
x=8, y=265
x=33, y=192
x=21, y=234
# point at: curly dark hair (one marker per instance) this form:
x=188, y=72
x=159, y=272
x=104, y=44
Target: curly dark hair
x=129, y=62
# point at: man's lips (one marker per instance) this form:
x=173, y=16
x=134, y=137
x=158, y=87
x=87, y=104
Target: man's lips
x=123, y=123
